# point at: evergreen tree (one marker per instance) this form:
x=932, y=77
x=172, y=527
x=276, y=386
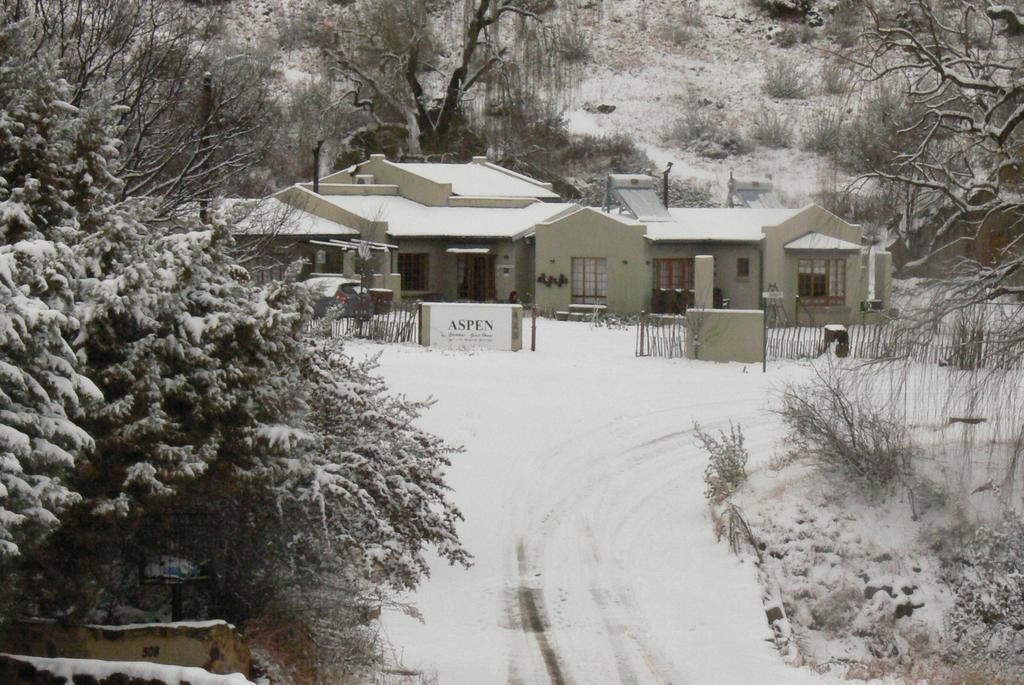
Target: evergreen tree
x=52, y=170
x=374, y=482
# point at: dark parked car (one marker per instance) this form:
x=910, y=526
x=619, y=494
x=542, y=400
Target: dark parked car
x=337, y=291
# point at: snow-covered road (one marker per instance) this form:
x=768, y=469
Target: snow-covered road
x=583, y=496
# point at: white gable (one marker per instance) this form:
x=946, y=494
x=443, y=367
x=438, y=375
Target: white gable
x=479, y=180
x=820, y=242
x=408, y=219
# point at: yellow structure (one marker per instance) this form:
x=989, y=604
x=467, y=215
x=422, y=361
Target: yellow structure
x=813, y=257
x=212, y=645
x=477, y=232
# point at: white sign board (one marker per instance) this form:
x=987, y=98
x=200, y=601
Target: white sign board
x=472, y=326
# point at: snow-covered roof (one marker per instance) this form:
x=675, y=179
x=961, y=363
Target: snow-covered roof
x=821, y=242
x=327, y=286
x=479, y=179
x=272, y=216
x=408, y=219
x=727, y=224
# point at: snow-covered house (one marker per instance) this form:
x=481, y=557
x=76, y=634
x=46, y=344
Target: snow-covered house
x=479, y=232
x=641, y=258
x=435, y=231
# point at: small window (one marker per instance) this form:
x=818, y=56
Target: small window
x=743, y=267
x=413, y=267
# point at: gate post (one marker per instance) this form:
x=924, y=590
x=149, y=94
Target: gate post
x=643, y=325
x=533, y=328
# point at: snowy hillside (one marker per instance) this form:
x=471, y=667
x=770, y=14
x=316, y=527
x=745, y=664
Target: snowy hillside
x=637, y=68
x=652, y=59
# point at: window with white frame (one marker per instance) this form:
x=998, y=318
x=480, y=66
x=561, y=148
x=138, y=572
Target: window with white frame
x=589, y=280
x=822, y=281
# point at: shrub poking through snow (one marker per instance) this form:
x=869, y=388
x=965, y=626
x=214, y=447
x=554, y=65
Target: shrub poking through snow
x=702, y=129
x=727, y=461
x=773, y=130
x=845, y=433
x=987, y=576
x=785, y=79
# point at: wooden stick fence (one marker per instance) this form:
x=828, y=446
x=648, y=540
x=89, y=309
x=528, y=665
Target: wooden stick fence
x=661, y=335
x=398, y=325
x=880, y=342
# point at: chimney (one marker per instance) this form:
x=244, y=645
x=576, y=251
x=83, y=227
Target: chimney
x=316, y=166
x=206, y=112
x=664, y=185
x=732, y=189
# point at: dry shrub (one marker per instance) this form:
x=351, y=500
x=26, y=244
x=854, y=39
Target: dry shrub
x=574, y=44
x=784, y=79
x=702, y=128
x=771, y=129
x=836, y=78
x=845, y=25
x=690, y=13
x=824, y=132
x=727, y=461
x=844, y=432
x=677, y=34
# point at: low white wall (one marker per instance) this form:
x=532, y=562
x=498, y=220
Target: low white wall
x=725, y=335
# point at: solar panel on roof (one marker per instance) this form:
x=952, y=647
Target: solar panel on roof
x=643, y=203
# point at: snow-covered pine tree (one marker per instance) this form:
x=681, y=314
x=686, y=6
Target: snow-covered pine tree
x=373, y=482
x=350, y=518
x=52, y=168
x=197, y=367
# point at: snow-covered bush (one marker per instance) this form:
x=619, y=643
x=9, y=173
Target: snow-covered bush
x=986, y=573
x=727, y=461
x=844, y=432
x=785, y=79
x=702, y=129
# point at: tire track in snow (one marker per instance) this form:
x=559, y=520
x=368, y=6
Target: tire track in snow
x=533, y=618
x=615, y=458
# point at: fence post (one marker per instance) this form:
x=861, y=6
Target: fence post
x=533, y=328
x=419, y=322
x=643, y=330
x=764, y=335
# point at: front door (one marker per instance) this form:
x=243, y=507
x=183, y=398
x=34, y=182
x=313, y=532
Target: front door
x=476, y=277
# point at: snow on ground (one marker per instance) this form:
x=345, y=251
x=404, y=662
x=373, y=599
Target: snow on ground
x=582, y=490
